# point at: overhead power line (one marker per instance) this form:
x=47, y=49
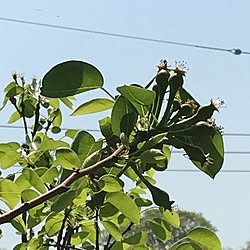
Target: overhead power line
x=98, y=130
x=235, y=51
x=174, y=151
x=221, y=171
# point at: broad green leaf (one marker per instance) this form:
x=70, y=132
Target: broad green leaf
x=89, y=226
x=63, y=200
x=188, y=246
x=14, y=117
x=215, y=148
x=35, y=244
x=153, y=141
x=112, y=229
x=171, y=217
x=29, y=194
x=22, y=183
x=158, y=230
x=10, y=86
x=8, y=155
x=33, y=178
x=160, y=197
x=152, y=156
x=107, y=210
x=71, y=133
x=141, y=247
x=57, y=121
x=84, y=145
x=125, y=204
x=81, y=198
x=68, y=159
x=93, y=106
x=141, y=202
x=137, y=94
x=19, y=225
x=16, y=90
x=110, y=183
x=205, y=237
x=21, y=246
x=79, y=238
x=120, y=246
x=67, y=102
x=9, y=193
x=138, y=238
x=123, y=116
x=51, y=144
x=53, y=223
x=50, y=175
x=70, y=78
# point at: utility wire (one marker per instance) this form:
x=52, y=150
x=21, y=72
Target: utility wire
x=221, y=171
x=235, y=51
x=174, y=151
x=98, y=130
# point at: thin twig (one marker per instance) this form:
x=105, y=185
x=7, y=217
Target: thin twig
x=107, y=93
x=97, y=231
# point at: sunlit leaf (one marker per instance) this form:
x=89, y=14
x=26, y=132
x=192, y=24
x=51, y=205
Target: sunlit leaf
x=137, y=94
x=33, y=178
x=78, y=238
x=112, y=229
x=18, y=224
x=84, y=145
x=68, y=159
x=110, y=183
x=125, y=204
x=188, y=246
x=70, y=78
x=53, y=223
x=93, y=106
x=14, y=117
x=9, y=193
x=172, y=218
x=63, y=201
x=205, y=237
x=123, y=116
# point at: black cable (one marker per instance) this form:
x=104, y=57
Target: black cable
x=234, y=51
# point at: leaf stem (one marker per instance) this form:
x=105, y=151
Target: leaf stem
x=97, y=231
x=109, y=94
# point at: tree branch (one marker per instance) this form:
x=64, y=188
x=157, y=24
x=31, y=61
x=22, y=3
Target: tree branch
x=7, y=217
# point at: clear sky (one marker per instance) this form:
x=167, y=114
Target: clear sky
x=32, y=50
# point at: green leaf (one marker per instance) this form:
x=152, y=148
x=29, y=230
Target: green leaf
x=205, y=237
x=112, y=229
x=18, y=224
x=51, y=144
x=188, y=246
x=84, y=145
x=33, y=178
x=71, y=78
x=14, y=117
x=71, y=133
x=160, y=197
x=50, y=175
x=125, y=204
x=172, y=218
x=123, y=116
x=158, y=230
x=8, y=154
x=63, y=200
x=21, y=246
x=78, y=238
x=93, y=106
x=53, y=223
x=110, y=183
x=215, y=148
x=141, y=202
x=68, y=159
x=67, y=102
x=137, y=94
x=138, y=238
x=153, y=141
x=9, y=193
x=107, y=210
x=152, y=156
x=16, y=90
x=22, y=183
x=29, y=194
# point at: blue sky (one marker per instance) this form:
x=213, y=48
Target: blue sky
x=32, y=50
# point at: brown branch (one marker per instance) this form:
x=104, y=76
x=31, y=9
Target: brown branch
x=8, y=216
